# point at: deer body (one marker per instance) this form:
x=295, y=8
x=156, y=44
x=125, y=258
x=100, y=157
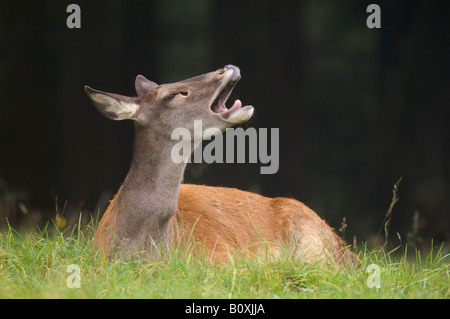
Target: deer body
x=152, y=210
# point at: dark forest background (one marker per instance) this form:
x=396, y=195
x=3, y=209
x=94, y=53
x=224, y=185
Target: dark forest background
x=357, y=108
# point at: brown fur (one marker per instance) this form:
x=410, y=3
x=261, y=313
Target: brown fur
x=220, y=220
x=153, y=211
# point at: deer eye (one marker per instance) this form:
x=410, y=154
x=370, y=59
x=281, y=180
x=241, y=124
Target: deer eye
x=170, y=96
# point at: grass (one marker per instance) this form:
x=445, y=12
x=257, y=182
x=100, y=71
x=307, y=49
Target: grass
x=35, y=265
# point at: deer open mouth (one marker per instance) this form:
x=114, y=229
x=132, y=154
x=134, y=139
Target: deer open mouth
x=218, y=105
x=236, y=113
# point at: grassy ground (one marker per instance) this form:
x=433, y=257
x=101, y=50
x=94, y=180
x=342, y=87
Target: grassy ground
x=37, y=265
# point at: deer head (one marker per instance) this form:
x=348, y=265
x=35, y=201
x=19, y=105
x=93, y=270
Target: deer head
x=163, y=108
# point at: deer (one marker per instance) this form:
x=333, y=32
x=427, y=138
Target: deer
x=154, y=210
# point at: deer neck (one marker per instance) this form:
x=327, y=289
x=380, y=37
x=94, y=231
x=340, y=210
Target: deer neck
x=149, y=195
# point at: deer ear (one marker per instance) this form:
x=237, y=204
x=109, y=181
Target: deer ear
x=143, y=86
x=113, y=106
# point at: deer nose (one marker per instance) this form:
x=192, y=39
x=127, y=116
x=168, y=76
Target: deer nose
x=236, y=71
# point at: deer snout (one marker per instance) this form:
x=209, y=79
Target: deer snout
x=236, y=71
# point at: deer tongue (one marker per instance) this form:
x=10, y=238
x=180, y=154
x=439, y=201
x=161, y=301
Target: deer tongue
x=236, y=106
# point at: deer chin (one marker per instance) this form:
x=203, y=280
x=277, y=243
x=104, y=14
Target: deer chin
x=238, y=115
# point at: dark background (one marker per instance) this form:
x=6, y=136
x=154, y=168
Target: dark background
x=357, y=108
